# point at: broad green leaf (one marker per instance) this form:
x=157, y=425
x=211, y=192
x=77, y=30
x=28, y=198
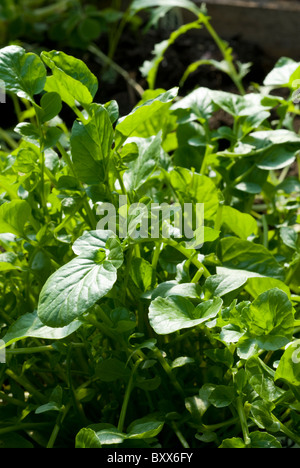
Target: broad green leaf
x=288, y=369
x=280, y=75
x=91, y=146
x=237, y=105
x=92, y=241
x=144, y=428
x=8, y=185
x=128, y=126
x=197, y=405
x=270, y=320
x=55, y=85
x=24, y=74
x=72, y=79
x=87, y=438
x=261, y=413
x=243, y=255
x=241, y=224
x=138, y=5
x=199, y=102
x=277, y=157
x=31, y=134
x=234, y=442
x=30, y=326
x=289, y=237
x=261, y=378
x=182, y=361
x=9, y=261
x=78, y=285
x=294, y=79
x=222, y=396
x=171, y=314
x=195, y=188
x=144, y=165
x=259, y=285
x=223, y=356
x=51, y=106
x=219, y=285
x=172, y=288
x=14, y=216
x=264, y=440
x=110, y=435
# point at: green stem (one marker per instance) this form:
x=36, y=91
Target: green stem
x=127, y=396
x=243, y=421
x=180, y=436
x=188, y=254
x=12, y=400
x=79, y=114
x=288, y=433
x=291, y=273
x=208, y=152
x=33, y=350
x=57, y=426
x=117, y=34
x=7, y=138
x=243, y=176
x=42, y=164
x=215, y=427
x=197, y=276
x=156, y=255
x=23, y=427
x=226, y=52
x=21, y=380
x=168, y=371
x=265, y=231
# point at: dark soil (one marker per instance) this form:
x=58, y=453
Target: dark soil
x=135, y=48
x=187, y=49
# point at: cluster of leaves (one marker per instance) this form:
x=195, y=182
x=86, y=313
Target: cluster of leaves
x=142, y=342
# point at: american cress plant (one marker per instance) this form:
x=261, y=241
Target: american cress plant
x=142, y=341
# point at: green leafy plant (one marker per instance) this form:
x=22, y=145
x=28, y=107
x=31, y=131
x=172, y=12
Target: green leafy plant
x=130, y=341
x=235, y=70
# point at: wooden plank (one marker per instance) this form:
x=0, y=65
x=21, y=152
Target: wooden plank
x=271, y=25
x=285, y=5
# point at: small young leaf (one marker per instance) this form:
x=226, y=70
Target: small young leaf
x=87, y=438
x=91, y=146
x=72, y=79
x=128, y=126
x=23, y=73
x=14, y=215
